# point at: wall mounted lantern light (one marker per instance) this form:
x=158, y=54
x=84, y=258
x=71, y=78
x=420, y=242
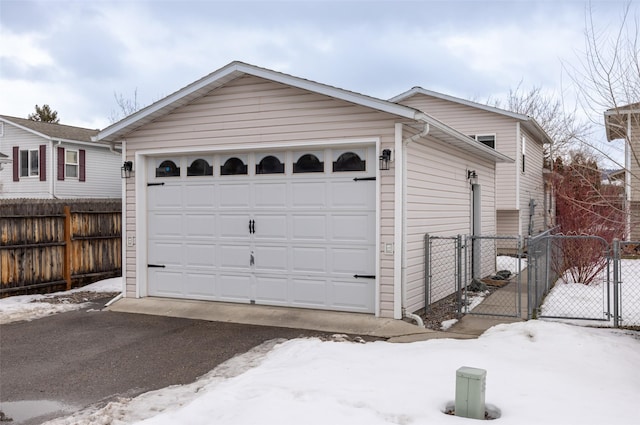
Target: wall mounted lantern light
x=385, y=158
x=126, y=170
x=472, y=176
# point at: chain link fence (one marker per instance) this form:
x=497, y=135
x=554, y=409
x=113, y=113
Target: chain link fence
x=568, y=277
x=626, y=277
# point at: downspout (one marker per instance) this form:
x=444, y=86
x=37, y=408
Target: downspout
x=403, y=197
x=123, y=224
x=51, y=172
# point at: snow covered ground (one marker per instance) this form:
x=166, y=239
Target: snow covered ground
x=29, y=307
x=573, y=299
x=537, y=372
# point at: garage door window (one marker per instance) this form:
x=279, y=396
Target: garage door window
x=233, y=166
x=308, y=163
x=349, y=161
x=168, y=169
x=200, y=167
x=270, y=165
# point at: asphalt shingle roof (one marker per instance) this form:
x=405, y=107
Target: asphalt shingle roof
x=55, y=131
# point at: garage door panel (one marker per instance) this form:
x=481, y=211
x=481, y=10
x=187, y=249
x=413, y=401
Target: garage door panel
x=308, y=194
x=199, y=196
x=163, y=197
x=270, y=227
x=234, y=226
x=165, y=283
x=234, y=195
x=165, y=225
x=200, y=226
x=270, y=195
x=309, y=227
x=200, y=255
x=271, y=258
x=356, y=260
x=310, y=293
x=352, y=194
x=201, y=286
x=234, y=256
x=353, y=295
x=351, y=228
x=235, y=287
x=272, y=289
x=166, y=253
x=309, y=259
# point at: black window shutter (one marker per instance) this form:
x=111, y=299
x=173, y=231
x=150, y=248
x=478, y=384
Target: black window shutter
x=16, y=164
x=43, y=163
x=60, y=163
x=82, y=175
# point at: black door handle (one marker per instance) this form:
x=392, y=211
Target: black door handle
x=253, y=226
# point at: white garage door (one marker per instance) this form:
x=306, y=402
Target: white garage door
x=294, y=228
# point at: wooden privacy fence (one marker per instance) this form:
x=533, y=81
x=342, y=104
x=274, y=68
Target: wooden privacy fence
x=48, y=245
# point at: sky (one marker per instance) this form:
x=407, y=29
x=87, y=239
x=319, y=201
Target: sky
x=536, y=372
x=77, y=56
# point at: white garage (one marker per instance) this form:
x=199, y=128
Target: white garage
x=280, y=227
x=254, y=186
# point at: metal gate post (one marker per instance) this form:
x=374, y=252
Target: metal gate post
x=459, y=253
x=427, y=271
x=616, y=281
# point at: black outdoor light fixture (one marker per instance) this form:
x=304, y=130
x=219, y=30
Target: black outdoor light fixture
x=126, y=170
x=471, y=174
x=385, y=157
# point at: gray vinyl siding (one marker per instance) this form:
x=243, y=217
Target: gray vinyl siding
x=250, y=110
x=102, y=178
x=438, y=202
x=27, y=187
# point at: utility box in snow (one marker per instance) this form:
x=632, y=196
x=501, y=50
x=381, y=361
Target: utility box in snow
x=471, y=385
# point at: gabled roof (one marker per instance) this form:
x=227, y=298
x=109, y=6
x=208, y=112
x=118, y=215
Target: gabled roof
x=51, y=131
x=529, y=122
x=117, y=131
x=615, y=120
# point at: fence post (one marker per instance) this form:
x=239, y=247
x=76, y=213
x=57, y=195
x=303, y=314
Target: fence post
x=459, y=252
x=616, y=281
x=67, y=246
x=427, y=272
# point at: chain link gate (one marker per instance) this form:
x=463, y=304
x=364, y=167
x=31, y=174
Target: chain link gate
x=626, y=284
x=569, y=278
x=492, y=284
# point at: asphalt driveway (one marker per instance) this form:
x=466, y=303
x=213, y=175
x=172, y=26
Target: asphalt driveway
x=90, y=356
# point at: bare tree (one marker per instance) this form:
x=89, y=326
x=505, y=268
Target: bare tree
x=607, y=81
x=563, y=127
x=126, y=106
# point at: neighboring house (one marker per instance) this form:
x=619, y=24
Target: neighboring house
x=254, y=186
x=524, y=203
x=45, y=160
x=624, y=123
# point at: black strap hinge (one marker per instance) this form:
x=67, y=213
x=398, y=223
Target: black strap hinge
x=156, y=266
x=155, y=184
x=357, y=179
x=364, y=276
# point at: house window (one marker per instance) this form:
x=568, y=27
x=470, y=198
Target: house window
x=233, y=166
x=270, y=165
x=200, y=167
x=168, y=169
x=70, y=163
x=485, y=139
x=29, y=163
x=308, y=163
x=349, y=161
